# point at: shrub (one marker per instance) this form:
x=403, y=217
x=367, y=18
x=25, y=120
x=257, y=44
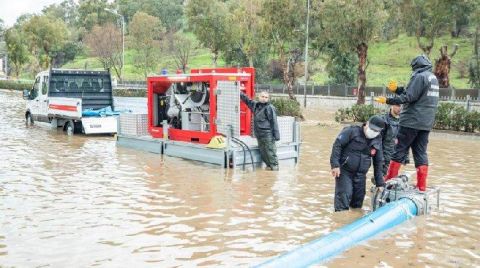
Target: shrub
x=443, y=116
x=342, y=115
x=129, y=93
x=358, y=113
x=472, y=121
x=16, y=85
x=287, y=107
x=361, y=113
x=452, y=116
x=449, y=116
x=341, y=67
x=458, y=118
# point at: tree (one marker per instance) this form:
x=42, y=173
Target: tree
x=393, y=22
x=341, y=66
x=105, y=43
x=430, y=19
x=170, y=12
x=461, y=11
x=92, y=12
x=16, y=48
x=67, y=11
x=2, y=29
x=145, y=33
x=67, y=53
x=351, y=26
x=208, y=21
x=474, y=68
x=442, y=66
x=46, y=36
x=180, y=47
x=427, y=18
x=247, y=28
x=283, y=23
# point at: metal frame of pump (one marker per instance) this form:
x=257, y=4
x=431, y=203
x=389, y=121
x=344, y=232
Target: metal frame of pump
x=164, y=92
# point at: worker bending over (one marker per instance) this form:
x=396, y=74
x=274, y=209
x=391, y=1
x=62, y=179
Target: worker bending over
x=351, y=157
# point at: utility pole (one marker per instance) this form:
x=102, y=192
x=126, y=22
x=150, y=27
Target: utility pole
x=306, y=57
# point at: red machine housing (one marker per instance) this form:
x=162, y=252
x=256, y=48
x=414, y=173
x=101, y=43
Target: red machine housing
x=161, y=83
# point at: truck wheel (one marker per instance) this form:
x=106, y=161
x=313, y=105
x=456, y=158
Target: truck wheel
x=70, y=128
x=29, y=120
x=78, y=127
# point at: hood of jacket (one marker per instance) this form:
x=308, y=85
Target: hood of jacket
x=421, y=63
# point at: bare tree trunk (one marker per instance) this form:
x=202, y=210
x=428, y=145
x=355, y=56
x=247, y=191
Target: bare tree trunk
x=215, y=58
x=286, y=69
x=117, y=72
x=476, y=43
x=427, y=49
x=286, y=80
x=250, y=61
x=474, y=70
x=289, y=75
x=145, y=59
x=17, y=70
x=362, y=50
x=442, y=66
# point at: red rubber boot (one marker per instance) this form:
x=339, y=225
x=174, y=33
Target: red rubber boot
x=422, y=172
x=392, y=170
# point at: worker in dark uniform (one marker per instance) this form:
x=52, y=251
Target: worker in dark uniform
x=420, y=101
x=351, y=157
x=389, y=135
x=265, y=127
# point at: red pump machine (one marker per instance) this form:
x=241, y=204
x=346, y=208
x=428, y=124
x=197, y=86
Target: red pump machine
x=200, y=105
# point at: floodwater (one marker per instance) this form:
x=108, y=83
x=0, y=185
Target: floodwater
x=81, y=202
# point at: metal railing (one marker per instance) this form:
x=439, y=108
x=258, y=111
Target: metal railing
x=332, y=90
x=351, y=91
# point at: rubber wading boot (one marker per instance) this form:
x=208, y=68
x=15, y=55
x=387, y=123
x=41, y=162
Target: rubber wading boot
x=392, y=170
x=422, y=172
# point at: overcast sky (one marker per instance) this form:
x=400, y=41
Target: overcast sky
x=10, y=10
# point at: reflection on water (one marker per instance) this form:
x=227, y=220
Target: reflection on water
x=81, y=201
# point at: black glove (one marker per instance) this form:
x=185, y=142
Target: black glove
x=400, y=90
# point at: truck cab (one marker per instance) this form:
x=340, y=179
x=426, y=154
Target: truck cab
x=68, y=99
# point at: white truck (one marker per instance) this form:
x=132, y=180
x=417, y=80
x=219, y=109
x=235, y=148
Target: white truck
x=76, y=100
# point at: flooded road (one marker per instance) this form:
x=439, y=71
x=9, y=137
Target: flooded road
x=81, y=202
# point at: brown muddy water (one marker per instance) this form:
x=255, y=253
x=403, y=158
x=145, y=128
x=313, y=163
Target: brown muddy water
x=81, y=201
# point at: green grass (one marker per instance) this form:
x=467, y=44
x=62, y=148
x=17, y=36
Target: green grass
x=391, y=60
x=387, y=60
x=200, y=58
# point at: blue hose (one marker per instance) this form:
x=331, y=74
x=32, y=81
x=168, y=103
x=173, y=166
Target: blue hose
x=338, y=241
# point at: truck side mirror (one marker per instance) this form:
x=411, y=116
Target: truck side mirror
x=26, y=94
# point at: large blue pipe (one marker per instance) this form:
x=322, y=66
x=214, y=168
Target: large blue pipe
x=336, y=242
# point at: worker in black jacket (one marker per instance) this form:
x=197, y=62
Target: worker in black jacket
x=351, y=157
x=420, y=101
x=389, y=135
x=265, y=127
